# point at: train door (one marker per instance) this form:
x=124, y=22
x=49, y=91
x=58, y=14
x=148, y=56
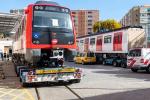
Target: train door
x=86, y=45
x=117, y=42
x=99, y=43
x=77, y=45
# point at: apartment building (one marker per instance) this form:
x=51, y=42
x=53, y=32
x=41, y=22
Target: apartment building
x=84, y=21
x=139, y=16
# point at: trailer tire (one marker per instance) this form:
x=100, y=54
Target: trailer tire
x=148, y=69
x=134, y=70
x=83, y=63
x=104, y=63
x=123, y=65
x=24, y=84
x=115, y=64
x=77, y=80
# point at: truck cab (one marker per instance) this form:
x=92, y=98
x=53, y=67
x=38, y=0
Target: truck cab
x=115, y=60
x=139, y=59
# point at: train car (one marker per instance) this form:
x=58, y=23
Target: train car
x=45, y=30
x=110, y=47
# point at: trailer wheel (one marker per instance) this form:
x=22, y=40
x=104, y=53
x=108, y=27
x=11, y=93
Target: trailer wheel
x=24, y=84
x=77, y=80
x=123, y=65
x=104, y=63
x=134, y=70
x=83, y=63
x=148, y=69
x=115, y=64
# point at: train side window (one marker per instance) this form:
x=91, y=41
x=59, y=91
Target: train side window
x=107, y=39
x=92, y=41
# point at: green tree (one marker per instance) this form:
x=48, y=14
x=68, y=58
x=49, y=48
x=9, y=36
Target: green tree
x=109, y=24
x=96, y=26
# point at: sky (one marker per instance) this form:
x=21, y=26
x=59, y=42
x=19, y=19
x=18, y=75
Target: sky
x=108, y=9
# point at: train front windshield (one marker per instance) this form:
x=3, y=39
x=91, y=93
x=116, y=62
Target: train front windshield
x=52, y=23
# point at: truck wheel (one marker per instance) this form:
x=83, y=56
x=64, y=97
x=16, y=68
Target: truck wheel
x=24, y=84
x=83, y=63
x=104, y=63
x=123, y=65
x=77, y=80
x=148, y=69
x=134, y=70
x=115, y=64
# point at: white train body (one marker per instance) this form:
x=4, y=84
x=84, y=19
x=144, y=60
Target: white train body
x=117, y=41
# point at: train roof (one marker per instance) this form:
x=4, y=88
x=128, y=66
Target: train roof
x=111, y=31
x=47, y=2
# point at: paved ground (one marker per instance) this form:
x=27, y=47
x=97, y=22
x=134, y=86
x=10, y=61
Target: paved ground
x=99, y=83
x=10, y=88
x=112, y=83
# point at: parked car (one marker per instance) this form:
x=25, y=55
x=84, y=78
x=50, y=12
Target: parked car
x=85, y=58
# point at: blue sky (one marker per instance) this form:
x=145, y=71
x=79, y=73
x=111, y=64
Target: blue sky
x=115, y=9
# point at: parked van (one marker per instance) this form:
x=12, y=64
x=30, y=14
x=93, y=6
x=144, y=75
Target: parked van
x=139, y=59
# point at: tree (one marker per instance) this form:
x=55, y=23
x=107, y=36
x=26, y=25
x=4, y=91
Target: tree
x=109, y=24
x=96, y=26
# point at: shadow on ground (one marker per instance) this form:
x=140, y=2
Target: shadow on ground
x=140, y=94
x=116, y=71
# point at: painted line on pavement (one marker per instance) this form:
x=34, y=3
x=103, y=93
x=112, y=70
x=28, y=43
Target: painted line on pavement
x=29, y=94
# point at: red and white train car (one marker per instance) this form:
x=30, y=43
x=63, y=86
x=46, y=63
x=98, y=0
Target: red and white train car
x=117, y=41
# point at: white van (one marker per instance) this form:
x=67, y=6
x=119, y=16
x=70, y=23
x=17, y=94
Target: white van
x=139, y=59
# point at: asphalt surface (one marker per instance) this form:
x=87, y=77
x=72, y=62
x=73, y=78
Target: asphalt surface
x=99, y=83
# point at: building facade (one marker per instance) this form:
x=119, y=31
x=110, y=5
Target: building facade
x=84, y=21
x=139, y=16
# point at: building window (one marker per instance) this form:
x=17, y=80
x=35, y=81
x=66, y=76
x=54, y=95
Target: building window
x=143, y=14
x=73, y=12
x=107, y=39
x=89, y=20
x=90, y=16
x=136, y=19
x=148, y=10
x=89, y=12
x=92, y=41
x=89, y=24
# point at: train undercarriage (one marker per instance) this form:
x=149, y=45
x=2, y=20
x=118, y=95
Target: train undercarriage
x=44, y=65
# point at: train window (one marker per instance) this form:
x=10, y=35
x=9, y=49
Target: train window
x=46, y=22
x=86, y=40
x=107, y=39
x=52, y=20
x=81, y=41
x=92, y=41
